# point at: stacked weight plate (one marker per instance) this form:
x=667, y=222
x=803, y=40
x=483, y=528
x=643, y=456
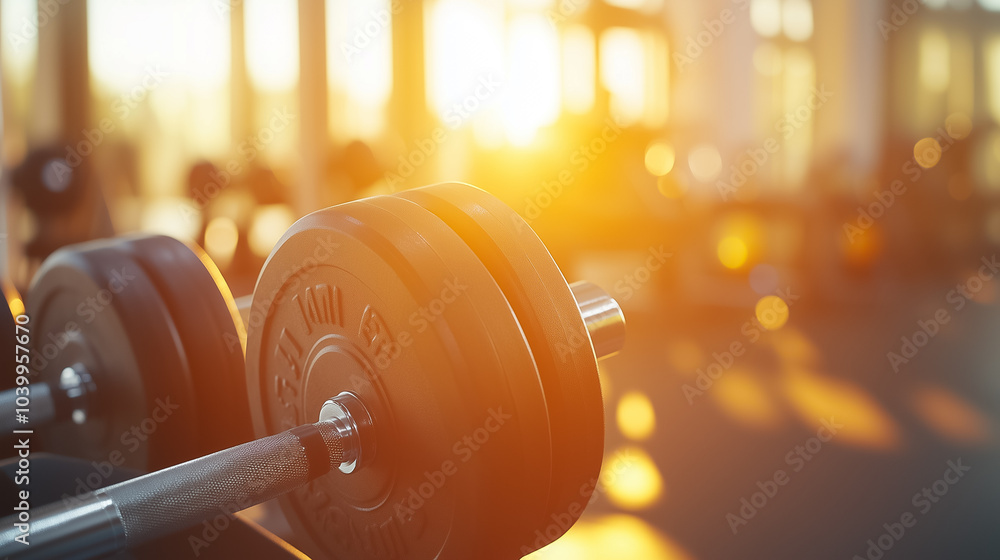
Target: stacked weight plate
x=152, y=323
x=444, y=313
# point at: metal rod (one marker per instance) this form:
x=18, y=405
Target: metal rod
x=603, y=317
x=137, y=511
x=40, y=410
x=72, y=399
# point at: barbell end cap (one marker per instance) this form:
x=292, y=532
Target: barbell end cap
x=356, y=428
x=603, y=317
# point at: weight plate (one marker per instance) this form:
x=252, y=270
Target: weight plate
x=211, y=332
x=156, y=328
x=552, y=324
x=92, y=304
x=354, y=299
x=520, y=379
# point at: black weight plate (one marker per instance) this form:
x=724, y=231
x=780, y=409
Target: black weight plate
x=202, y=308
x=93, y=304
x=527, y=482
x=337, y=308
x=551, y=320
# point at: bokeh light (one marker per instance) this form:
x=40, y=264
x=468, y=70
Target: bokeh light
x=958, y=126
x=705, y=162
x=670, y=186
x=636, y=416
x=612, y=536
x=632, y=479
x=659, y=158
x=819, y=398
x=744, y=397
x=771, y=312
x=927, y=152
x=950, y=416
x=221, y=237
x=732, y=252
x=269, y=224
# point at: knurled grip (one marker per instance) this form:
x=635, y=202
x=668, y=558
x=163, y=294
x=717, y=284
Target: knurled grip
x=222, y=483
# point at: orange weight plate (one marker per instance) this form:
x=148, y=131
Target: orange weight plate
x=552, y=324
x=387, y=303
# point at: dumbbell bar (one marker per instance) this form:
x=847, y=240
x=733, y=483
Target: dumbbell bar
x=75, y=394
x=518, y=339
x=137, y=511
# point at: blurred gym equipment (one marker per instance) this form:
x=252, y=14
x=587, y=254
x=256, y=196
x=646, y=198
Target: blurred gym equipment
x=414, y=341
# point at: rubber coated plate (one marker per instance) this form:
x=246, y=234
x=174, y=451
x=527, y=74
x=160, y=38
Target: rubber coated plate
x=93, y=304
x=530, y=481
x=551, y=320
x=354, y=299
x=203, y=310
x=156, y=327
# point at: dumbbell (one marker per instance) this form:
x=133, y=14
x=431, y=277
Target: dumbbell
x=138, y=350
x=425, y=348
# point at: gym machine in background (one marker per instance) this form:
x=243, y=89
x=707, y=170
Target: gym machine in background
x=386, y=339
